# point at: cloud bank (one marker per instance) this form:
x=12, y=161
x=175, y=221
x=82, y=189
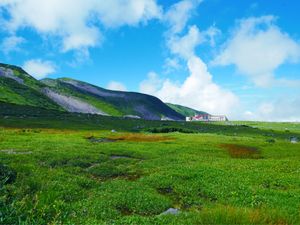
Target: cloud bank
x=280, y=109
x=38, y=68
x=116, y=86
x=11, y=44
x=257, y=48
x=198, y=90
x=76, y=24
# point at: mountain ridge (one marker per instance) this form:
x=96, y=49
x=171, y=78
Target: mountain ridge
x=67, y=94
x=186, y=111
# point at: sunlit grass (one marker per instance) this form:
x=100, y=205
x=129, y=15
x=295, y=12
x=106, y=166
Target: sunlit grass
x=211, y=178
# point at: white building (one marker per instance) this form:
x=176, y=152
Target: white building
x=207, y=118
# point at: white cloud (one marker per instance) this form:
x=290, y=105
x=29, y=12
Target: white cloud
x=210, y=35
x=116, y=86
x=115, y=13
x=285, y=108
x=151, y=84
x=12, y=43
x=257, y=48
x=77, y=23
x=185, y=46
x=38, y=68
x=179, y=14
x=198, y=89
x=171, y=64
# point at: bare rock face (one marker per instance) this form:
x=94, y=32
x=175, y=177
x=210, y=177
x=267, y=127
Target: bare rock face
x=171, y=211
x=132, y=116
x=9, y=73
x=92, y=89
x=72, y=104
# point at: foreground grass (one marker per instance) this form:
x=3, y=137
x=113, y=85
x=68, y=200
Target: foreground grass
x=53, y=176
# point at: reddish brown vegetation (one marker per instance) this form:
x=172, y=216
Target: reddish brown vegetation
x=242, y=151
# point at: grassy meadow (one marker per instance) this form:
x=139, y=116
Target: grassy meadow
x=217, y=174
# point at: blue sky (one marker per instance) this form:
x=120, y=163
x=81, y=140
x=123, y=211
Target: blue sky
x=239, y=58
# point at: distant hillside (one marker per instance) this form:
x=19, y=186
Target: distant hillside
x=186, y=111
x=115, y=103
x=18, y=87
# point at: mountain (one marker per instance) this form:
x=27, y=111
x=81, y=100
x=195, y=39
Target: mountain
x=18, y=87
x=186, y=111
x=107, y=102
x=65, y=94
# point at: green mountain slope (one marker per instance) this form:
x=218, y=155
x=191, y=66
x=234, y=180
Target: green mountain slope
x=186, y=111
x=115, y=103
x=19, y=88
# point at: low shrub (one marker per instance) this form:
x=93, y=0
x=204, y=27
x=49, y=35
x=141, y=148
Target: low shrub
x=7, y=175
x=170, y=130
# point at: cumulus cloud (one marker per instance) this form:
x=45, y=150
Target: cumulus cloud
x=257, y=48
x=185, y=46
x=179, y=14
x=38, y=68
x=171, y=64
x=210, y=34
x=116, y=86
x=151, y=84
x=77, y=24
x=285, y=108
x=198, y=90
x=12, y=43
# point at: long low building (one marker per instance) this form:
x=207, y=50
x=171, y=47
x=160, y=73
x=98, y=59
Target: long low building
x=207, y=118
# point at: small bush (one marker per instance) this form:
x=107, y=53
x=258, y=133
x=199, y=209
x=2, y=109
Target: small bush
x=271, y=141
x=7, y=175
x=170, y=130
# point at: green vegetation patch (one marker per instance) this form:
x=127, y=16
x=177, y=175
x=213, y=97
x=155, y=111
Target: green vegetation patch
x=7, y=175
x=66, y=179
x=186, y=111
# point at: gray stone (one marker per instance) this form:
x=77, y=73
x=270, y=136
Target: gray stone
x=14, y=152
x=171, y=211
x=9, y=73
x=119, y=157
x=72, y=104
x=294, y=140
x=100, y=140
x=132, y=116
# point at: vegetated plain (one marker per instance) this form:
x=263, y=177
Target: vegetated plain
x=68, y=168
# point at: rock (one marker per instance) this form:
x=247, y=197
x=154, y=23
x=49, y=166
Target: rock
x=294, y=140
x=72, y=104
x=165, y=118
x=9, y=73
x=14, y=152
x=132, y=117
x=100, y=140
x=119, y=157
x=171, y=211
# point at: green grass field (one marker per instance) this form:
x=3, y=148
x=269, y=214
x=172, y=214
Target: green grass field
x=75, y=171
